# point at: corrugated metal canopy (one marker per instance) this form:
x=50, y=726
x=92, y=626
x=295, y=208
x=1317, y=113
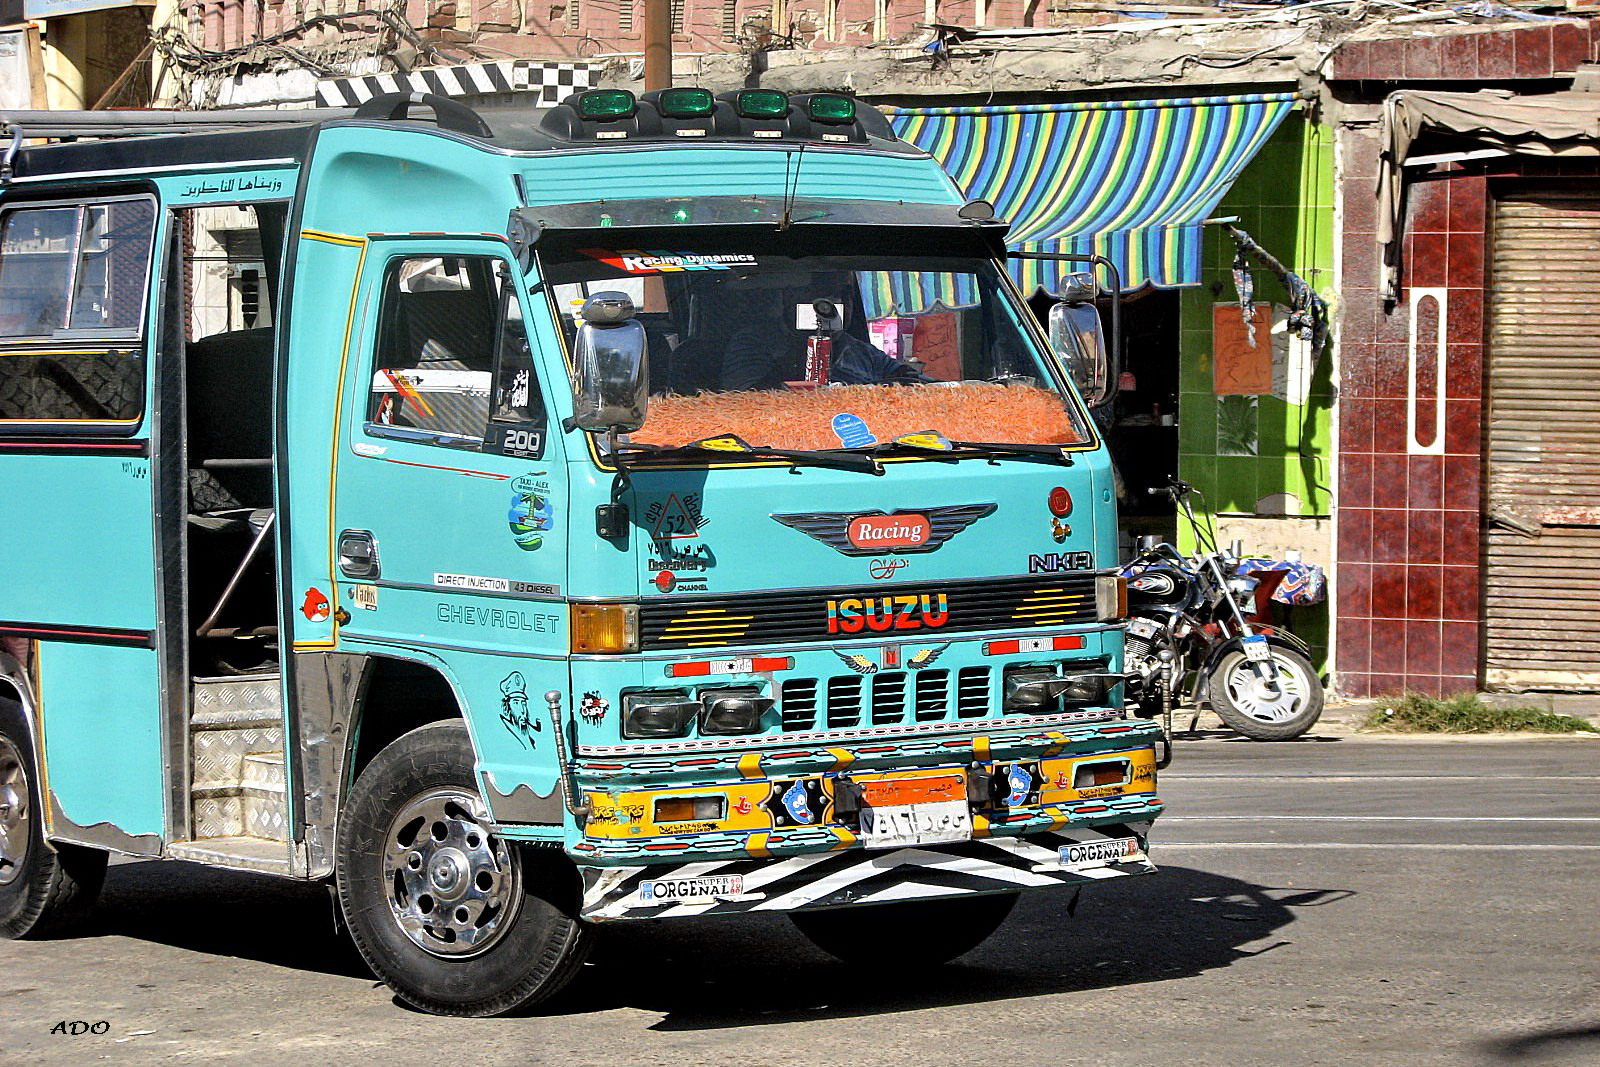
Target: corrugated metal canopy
x=1130, y=180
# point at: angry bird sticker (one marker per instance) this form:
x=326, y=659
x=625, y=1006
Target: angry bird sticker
x=315, y=607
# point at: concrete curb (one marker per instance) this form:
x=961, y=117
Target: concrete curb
x=1343, y=718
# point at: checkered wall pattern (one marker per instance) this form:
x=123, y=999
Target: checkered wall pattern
x=553, y=82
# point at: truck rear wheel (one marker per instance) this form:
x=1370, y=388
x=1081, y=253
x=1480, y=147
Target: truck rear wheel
x=457, y=920
x=43, y=890
x=914, y=931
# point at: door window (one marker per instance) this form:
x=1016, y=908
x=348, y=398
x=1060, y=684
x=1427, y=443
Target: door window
x=452, y=364
x=74, y=273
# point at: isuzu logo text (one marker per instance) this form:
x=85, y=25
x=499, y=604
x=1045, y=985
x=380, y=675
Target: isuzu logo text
x=854, y=615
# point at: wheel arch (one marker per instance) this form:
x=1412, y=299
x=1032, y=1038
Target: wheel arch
x=411, y=693
x=353, y=706
x=14, y=685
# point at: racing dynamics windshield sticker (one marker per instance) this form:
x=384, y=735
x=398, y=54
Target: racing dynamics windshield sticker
x=634, y=261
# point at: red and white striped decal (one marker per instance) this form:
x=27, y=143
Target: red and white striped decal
x=742, y=665
x=1031, y=644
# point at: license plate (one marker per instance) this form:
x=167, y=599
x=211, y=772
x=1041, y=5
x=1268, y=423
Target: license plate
x=1089, y=854
x=898, y=825
x=1256, y=649
x=1143, y=627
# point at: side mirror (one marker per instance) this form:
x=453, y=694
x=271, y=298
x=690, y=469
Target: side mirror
x=611, y=367
x=1079, y=287
x=1079, y=340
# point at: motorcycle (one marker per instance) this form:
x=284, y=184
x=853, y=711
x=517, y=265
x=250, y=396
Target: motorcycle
x=1197, y=635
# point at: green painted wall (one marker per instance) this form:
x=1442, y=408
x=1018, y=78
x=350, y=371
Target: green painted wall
x=1284, y=199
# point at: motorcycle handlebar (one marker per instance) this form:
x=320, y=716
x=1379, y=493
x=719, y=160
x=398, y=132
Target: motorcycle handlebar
x=1175, y=489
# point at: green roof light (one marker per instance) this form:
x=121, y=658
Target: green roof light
x=761, y=104
x=682, y=214
x=835, y=110
x=685, y=103
x=603, y=104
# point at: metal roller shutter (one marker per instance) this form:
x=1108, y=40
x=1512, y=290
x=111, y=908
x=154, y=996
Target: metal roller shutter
x=1541, y=546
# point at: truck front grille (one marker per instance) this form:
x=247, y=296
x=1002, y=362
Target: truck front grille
x=887, y=699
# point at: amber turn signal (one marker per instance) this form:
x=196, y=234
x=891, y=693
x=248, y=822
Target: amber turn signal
x=604, y=629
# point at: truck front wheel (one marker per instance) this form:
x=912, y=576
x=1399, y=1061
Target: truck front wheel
x=457, y=920
x=912, y=932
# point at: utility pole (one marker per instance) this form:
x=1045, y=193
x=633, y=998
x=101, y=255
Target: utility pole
x=657, y=44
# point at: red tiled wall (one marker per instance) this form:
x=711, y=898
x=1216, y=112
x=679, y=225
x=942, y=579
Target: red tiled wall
x=1543, y=50
x=1407, y=600
x=1408, y=581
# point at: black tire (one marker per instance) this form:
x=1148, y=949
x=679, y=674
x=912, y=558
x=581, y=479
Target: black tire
x=44, y=889
x=505, y=937
x=912, y=932
x=1239, y=699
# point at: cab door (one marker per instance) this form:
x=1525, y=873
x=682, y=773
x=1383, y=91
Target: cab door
x=449, y=523
x=79, y=551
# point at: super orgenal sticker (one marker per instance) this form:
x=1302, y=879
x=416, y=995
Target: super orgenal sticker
x=670, y=890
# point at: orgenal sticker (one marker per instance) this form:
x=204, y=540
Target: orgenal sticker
x=668, y=890
x=1099, y=853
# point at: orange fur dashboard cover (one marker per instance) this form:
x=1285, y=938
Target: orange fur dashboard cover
x=803, y=419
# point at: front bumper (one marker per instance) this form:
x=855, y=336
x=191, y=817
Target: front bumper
x=1073, y=856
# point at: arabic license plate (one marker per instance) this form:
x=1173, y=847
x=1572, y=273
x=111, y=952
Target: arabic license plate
x=1089, y=854
x=898, y=825
x=1256, y=649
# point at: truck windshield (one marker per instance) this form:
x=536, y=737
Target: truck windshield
x=825, y=351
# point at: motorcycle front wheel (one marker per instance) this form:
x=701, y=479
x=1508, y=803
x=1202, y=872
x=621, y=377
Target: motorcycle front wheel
x=1263, y=710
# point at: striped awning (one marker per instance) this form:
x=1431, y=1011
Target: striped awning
x=1131, y=180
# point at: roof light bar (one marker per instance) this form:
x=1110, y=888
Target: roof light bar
x=686, y=102
x=601, y=105
x=761, y=104
x=831, y=109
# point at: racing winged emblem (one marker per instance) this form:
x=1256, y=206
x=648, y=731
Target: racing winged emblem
x=926, y=656
x=858, y=663
x=878, y=533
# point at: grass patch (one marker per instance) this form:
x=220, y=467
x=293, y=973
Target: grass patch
x=1467, y=714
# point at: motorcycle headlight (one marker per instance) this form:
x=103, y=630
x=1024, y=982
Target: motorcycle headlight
x=1243, y=590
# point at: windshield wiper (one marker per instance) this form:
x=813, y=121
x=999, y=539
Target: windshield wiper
x=935, y=446
x=727, y=445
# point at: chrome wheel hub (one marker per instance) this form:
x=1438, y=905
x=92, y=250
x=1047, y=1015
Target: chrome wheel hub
x=15, y=830
x=453, y=884
x=1272, y=700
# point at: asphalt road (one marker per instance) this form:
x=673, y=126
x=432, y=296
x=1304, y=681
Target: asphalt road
x=1343, y=901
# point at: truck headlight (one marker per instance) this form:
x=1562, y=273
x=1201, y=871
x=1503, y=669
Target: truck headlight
x=1030, y=689
x=661, y=713
x=1051, y=687
x=732, y=711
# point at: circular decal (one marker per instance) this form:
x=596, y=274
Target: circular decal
x=315, y=607
x=1151, y=582
x=666, y=581
x=1060, y=502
